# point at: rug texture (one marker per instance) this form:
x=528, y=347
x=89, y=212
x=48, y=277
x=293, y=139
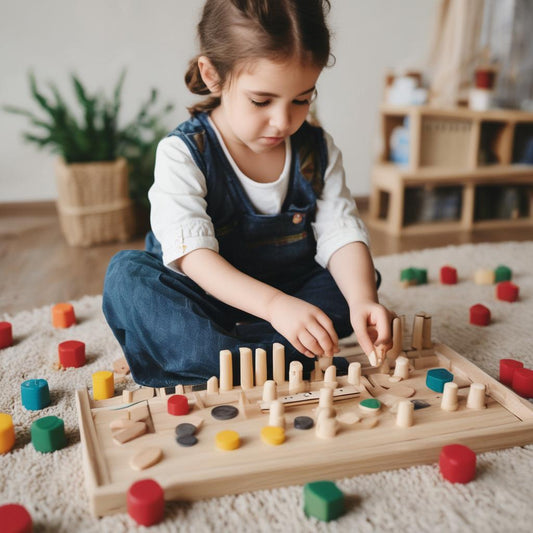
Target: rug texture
x=416, y=499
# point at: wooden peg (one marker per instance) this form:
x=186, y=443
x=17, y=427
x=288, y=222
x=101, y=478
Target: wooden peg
x=418, y=331
x=404, y=416
x=296, y=383
x=476, y=396
x=326, y=425
x=354, y=374
x=401, y=370
x=269, y=391
x=226, y=370
x=397, y=340
x=330, y=377
x=426, y=333
x=278, y=363
x=212, y=385
x=449, y=396
x=260, y=367
x=247, y=374
x=277, y=414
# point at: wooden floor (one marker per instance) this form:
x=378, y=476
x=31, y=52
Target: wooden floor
x=37, y=267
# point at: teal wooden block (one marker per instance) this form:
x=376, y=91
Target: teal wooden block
x=436, y=378
x=323, y=500
x=502, y=273
x=35, y=394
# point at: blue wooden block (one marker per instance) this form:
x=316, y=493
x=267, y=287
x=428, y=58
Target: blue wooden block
x=436, y=378
x=35, y=394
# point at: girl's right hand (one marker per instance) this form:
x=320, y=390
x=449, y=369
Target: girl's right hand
x=304, y=325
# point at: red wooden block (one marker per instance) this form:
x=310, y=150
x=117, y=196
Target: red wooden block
x=507, y=369
x=71, y=354
x=479, y=315
x=15, y=518
x=507, y=291
x=6, y=334
x=523, y=382
x=448, y=275
x=457, y=463
x=177, y=405
x=146, y=502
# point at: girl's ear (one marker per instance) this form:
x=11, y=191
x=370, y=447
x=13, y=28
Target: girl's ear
x=209, y=75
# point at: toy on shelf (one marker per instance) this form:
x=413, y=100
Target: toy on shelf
x=280, y=429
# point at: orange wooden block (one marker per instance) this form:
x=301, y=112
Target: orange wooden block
x=63, y=315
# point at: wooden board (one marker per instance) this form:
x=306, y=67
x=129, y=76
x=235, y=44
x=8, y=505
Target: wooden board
x=202, y=471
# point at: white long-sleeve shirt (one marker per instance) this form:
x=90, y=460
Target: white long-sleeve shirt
x=178, y=202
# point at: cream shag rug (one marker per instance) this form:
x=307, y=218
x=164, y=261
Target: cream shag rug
x=51, y=486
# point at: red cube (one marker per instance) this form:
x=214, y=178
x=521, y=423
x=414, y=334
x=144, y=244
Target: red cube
x=6, y=334
x=507, y=291
x=479, y=315
x=507, y=370
x=457, y=463
x=448, y=275
x=71, y=354
x=523, y=382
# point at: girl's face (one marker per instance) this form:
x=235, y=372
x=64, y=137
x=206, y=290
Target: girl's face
x=266, y=103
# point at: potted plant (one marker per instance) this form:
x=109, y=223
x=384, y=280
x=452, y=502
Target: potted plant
x=103, y=168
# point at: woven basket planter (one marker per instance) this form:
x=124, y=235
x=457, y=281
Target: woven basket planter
x=93, y=202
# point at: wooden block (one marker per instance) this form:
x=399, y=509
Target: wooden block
x=349, y=419
x=449, y=397
x=296, y=383
x=278, y=363
x=404, y=417
x=247, y=372
x=212, y=385
x=146, y=458
x=129, y=433
x=418, y=331
x=260, y=367
x=484, y=276
x=139, y=413
x=330, y=377
x=226, y=370
x=120, y=423
x=476, y=396
x=137, y=395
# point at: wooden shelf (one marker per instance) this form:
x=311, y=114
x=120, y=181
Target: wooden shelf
x=449, y=148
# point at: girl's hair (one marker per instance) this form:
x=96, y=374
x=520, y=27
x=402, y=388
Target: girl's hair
x=233, y=32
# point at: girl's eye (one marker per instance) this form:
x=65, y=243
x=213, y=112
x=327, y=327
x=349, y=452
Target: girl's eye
x=260, y=104
x=301, y=102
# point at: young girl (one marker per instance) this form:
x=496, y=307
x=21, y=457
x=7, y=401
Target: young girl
x=257, y=238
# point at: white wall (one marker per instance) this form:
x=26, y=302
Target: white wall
x=155, y=40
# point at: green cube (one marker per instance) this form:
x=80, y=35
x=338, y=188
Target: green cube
x=408, y=275
x=502, y=273
x=323, y=500
x=421, y=276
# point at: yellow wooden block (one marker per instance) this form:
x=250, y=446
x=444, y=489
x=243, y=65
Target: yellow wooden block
x=273, y=435
x=227, y=440
x=103, y=385
x=484, y=276
x=7, y=433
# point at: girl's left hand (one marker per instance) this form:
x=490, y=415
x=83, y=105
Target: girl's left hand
x=371, y=322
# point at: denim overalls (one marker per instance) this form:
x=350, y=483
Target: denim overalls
x=171, y=330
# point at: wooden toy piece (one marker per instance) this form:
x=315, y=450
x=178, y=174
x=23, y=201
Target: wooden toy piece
x=449, y=397
x=397, y=340
x=426, y=333
x=179, y=389
x=457, y=463
x=120, y=423
x=407, y=277
x=317, y=374
x=502, y=273
x=296, y=383
x=404, y=415
x=146, y=458
x=522, y=382
x=269, y=391
x=507, y=369
x=418, y=331
x=7, y=433
x=138, y=395
x=325, y=400
x=71, y=354
x=348, y=419
x=121, y=367
x=479, y=315
x=15, y=519
x=260, y=367
x=278, y=363
x=277, y=414
x=448, y=275
x=247, y=371
x=212, y=385
x=178, y=405
x=323, y=500
x=507, y=291
x=370, y=405
x=132, y=431
x=63, y=315
x=226, y=371
x=354, y=373
x=326, y=425
x=324, y=363
x=103, y=385
x=376, y=356
x=484, y=276
x=224, y=412
x=227, y=440
x=436, y=378
x=273, y=435
x=139, y=412
x=330, y=377
x=35, y=394
x=146, y=502
x=476, y=396
x=401, y=370
x=48, y=434
x=6, y=334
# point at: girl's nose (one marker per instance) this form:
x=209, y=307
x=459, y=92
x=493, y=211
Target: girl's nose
x=281, y=119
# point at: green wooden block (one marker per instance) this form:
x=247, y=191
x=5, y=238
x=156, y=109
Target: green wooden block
x=421, y=276
x=408, y=274
x=502, y=273
x=371, y=403
x=323, y=500
x=48, y=434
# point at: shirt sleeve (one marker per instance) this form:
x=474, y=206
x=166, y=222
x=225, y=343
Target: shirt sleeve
x=178, y=203
x=337, y=220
